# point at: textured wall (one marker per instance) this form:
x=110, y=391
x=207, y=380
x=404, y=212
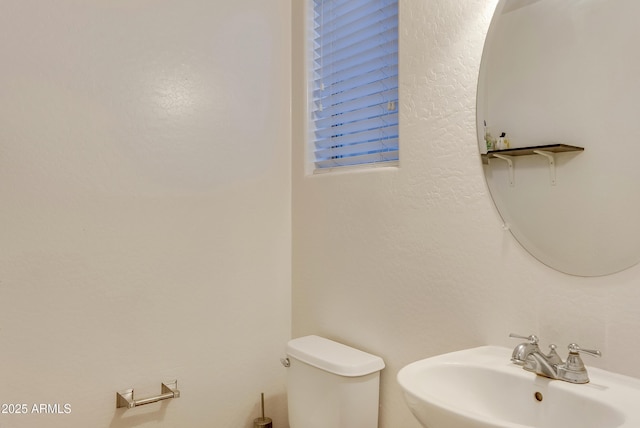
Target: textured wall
x=411, y=262
x=145, y=209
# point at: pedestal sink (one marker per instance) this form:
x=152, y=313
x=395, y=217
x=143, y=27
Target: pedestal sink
x=481, y=388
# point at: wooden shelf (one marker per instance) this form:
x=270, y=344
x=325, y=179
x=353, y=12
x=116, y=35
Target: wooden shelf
x=526, y=151
x=547, y=151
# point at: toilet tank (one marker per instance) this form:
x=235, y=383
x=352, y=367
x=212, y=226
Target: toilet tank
x=331, y=385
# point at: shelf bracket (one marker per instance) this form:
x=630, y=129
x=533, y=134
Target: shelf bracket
x=509, y=163
x=552, y=164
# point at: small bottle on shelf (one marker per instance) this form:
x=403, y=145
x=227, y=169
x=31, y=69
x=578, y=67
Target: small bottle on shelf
x=489, y=140
x=503, y=142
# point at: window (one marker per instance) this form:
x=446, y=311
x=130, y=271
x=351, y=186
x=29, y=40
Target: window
x=355, y=82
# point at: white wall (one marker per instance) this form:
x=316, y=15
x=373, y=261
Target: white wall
x=144, y=209
x=411, y=262
x=145, y=212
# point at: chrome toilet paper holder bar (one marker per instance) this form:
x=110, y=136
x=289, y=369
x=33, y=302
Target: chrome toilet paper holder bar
x=125, y=398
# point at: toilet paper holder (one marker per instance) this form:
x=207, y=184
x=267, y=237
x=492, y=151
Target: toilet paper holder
x=125, y=398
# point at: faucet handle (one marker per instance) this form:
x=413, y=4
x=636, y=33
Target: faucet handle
x=574, y=349
x=533, y=339
x=522, y=351
x=573, y=370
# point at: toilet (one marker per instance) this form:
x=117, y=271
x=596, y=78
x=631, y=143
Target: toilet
x=331, y=385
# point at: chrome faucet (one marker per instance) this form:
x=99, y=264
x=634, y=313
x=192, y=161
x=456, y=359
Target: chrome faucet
x=529, y=356
x=543, y=365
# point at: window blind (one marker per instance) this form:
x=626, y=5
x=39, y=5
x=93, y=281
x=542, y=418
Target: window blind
x=355, y=82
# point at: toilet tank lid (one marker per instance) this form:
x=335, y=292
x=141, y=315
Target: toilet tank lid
x=333, y=357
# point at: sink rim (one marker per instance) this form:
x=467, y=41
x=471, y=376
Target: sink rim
x=608, y=389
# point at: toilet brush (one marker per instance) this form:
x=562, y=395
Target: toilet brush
x=262, y=422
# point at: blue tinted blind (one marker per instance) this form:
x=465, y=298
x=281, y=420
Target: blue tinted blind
x=355, y=82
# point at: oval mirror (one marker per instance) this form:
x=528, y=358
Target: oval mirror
x=560, y=80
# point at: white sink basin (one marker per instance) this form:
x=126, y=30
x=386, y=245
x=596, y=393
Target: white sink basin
x=481, y=388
